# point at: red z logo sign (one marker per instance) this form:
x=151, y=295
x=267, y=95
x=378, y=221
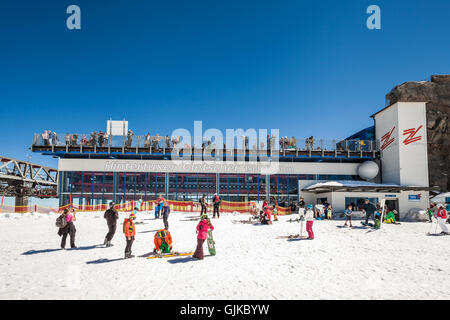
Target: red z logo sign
x=387, y=139
x=411, y=135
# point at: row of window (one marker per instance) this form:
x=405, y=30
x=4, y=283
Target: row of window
x=131, y=186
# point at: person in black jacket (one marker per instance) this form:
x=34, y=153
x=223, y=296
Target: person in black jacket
x=301, y=203
x=111, y=215
x=369, y=209
x=165, y=215
x=203, y=204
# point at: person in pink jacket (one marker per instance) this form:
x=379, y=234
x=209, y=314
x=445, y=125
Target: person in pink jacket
x=202, y=233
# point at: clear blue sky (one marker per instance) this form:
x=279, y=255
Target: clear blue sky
x=305, y=67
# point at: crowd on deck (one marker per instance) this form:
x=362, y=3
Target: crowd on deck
x=102, y=139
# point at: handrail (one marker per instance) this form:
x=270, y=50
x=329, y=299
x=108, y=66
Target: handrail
x=170, y=144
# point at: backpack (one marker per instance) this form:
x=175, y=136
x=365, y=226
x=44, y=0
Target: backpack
x=61, y=221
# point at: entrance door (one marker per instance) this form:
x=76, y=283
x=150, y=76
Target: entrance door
x=393, y=205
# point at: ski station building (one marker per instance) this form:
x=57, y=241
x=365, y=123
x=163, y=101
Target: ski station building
x=387, y=161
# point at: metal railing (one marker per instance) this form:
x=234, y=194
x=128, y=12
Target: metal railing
x=164, y=144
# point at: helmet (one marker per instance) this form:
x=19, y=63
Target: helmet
x=112, y=204
x=309, y=206
x=204, y=216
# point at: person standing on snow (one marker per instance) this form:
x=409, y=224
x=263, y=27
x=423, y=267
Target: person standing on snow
x=69, y=229
x=130, y=231
x=369, y=209
x=202, y=233
x=203, y=204
x=301, y=203
x=165, y=215
x=216, y=204
x=159, y=204
x=442, y=218
x=111, y=215
x=309, y=217
x=348, y=215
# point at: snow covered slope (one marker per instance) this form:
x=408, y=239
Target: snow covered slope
x=395, y=262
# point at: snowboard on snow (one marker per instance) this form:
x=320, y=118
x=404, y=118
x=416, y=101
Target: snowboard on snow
x=211, y=244
x=170, y=254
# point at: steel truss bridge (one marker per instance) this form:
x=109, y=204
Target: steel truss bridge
x=23, y=179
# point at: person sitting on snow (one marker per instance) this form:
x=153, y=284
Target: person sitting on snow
x=266, y=215
x=390, y=217
x=163, y=241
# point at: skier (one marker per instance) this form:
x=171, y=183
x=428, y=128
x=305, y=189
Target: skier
x=309, y=217
x=165, y=214
x=69, y=228
x=441, y=217
x=203, y=204
x=111, y=215
x=202, y=234
x=163, y=241
x=348, y=215
x=216, y=202
x=369, y=209
x=130, y=231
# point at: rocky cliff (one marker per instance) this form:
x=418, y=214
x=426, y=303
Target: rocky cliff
x=437, y=93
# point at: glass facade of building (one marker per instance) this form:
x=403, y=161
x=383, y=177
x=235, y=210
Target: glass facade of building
x=92, y=188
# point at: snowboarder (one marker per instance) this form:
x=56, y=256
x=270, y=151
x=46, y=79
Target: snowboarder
x=165, y=214
x=216, y=203
x=441, y=217
x=309, y=217
x=163, y=241
x=202, y=233
x=348, y=215
x=111, y=215
x=130, y=231
x=68, y=229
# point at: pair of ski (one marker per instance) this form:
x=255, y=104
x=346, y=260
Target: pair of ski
x=170, y=254
x=295, y=236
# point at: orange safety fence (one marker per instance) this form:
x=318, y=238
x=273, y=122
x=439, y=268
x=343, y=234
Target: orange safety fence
x=177, y=206
x=283, y=211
